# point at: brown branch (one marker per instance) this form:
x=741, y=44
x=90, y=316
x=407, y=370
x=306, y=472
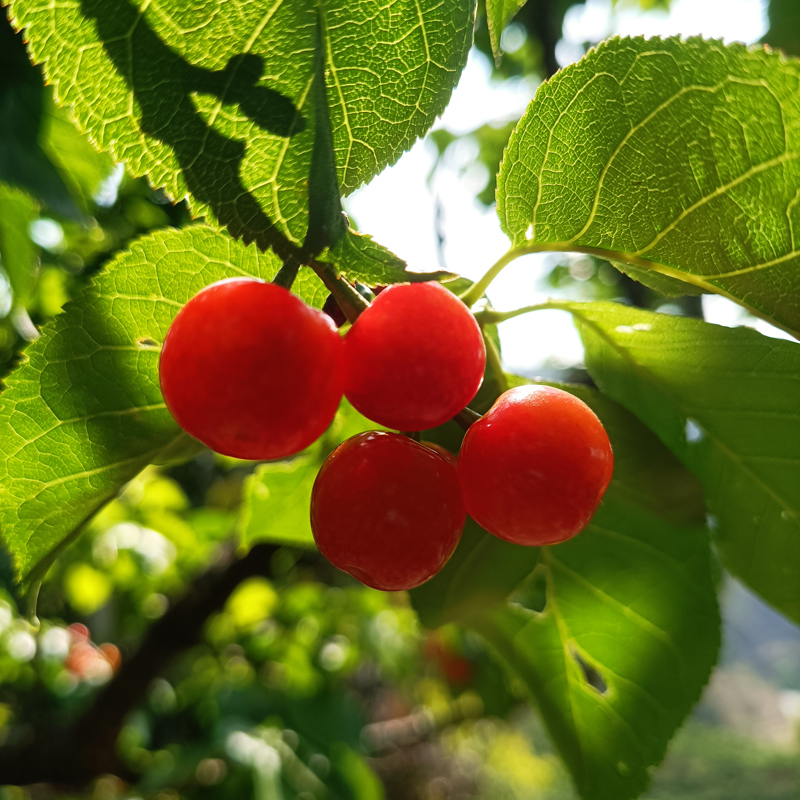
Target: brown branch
x=75, y=755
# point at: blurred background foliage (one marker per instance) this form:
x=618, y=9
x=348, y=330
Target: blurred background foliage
x=308, y=685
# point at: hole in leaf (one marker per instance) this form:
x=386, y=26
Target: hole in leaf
x=591, y=675
x=693, y=431
x=147, y=343
x=532, y=594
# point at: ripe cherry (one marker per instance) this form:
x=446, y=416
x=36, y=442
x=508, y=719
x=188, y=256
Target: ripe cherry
x=535, y=467
x=414, y=358
x=387, y=510
x=252, y=371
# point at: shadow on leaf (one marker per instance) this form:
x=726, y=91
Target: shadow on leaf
x=162, y=83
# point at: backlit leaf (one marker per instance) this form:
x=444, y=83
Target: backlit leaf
x=84, y=413
x=629, y=631
x=678, y=157
x=727, y=402
x=215, y=101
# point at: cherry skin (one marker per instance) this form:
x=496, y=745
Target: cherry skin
x=252, y=371
x=387, y=510
x=535, y=467
x=414, y=358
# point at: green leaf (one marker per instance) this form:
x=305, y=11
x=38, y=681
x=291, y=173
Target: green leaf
x=326, y=221
x=17, y=251
x=277, y=496
x=498, y=14
x=84, y=412
x=218, y=103
x=276, y=500
x=23, y=162
x=680, y=157
x=664, y=284
x=630, y=629
x=360, y=257
x=78, y=162
x=482, y=573
x=485, y=570
x=726, y=402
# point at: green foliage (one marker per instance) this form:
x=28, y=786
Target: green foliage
x=277, y=495
x=481, y=574
x=678, y=157
x=726, y=403
x=360, y=256
x=84, y=413
x=276, y=501
x=181, y=95
x=17, y=251
x=23, y=100
x=83, y=168
x=677, y=161
x=784, y=26
x=614, y=667
x=498, y=14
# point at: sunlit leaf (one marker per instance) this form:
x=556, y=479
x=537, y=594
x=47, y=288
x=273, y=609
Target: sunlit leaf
x=727, y=402
x=277, y=496
x=84, y=412
x=80, y=164
x=629, y=631
x=359, y=256
x=498, y=14
x=216, y=102
x=678, y=157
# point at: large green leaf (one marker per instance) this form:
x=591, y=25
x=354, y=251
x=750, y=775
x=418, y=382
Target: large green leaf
x=216, y=101
x=679, y=157
x=482, y=573
x=630, y=628
x=727, y=402
x=84, y=413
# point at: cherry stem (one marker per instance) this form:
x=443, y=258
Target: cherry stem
x=287, y=273
x=415, y=436
x=350, y=300
x=466, y=417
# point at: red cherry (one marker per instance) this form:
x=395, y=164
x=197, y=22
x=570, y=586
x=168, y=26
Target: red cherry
x=80, y=658
x=414, y=358
x=387, y=510
x=252, y=371
x=455, y=668
x=110, y=653
x=79, y=633
x=535, y=467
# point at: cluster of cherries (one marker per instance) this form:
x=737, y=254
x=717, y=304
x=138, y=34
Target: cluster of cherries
x=253, y=372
